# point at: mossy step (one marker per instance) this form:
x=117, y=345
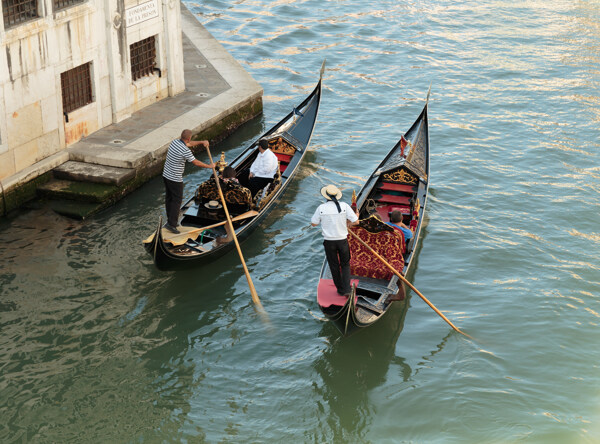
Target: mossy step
x=78, y=191
x=89, y=172
x=75, y=209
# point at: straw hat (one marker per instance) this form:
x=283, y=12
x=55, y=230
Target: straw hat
x=331, y=190
x=212, y=205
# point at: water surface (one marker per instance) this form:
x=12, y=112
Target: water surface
x=96, y=345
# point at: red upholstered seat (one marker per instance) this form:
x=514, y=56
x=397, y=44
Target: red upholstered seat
x=413, y=225
x=397, y=187
x=401, y=200
x=283, y=157
x=388, y=244
x=284, y=160
x=399, y=231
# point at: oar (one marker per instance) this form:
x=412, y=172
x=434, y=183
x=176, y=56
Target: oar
x=237, y=244
x=186, y=235
x=397, y=273
x=182, y=238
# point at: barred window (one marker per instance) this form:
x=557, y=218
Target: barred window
x=18, y=11
x=76, y=85
x=143, y=57
x=62, y=4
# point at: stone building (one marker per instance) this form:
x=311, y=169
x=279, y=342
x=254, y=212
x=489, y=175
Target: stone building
x=71, y=67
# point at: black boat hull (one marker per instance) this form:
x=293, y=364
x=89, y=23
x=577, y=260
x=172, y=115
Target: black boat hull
x=375, y=296
x=294, y=131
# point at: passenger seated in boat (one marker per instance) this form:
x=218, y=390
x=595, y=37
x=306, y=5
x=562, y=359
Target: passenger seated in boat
x=397, y=224
x=229, y=175
x=263, y=168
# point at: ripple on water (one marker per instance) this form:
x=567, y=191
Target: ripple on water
x=97, y=345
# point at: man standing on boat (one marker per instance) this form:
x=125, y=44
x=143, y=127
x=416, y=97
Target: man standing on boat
x=263, y=168
x=335, y=217
x=179, y=153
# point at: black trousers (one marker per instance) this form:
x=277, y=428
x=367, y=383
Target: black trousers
x=173, y=199
x=338, y=258
x=255, y=184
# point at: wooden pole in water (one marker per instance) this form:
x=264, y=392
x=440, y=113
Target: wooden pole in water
x=397, y=273
x=235, y=240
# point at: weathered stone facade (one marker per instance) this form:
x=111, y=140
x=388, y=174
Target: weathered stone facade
x=35, y=53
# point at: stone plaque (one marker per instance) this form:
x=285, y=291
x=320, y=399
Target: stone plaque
x=141, y=13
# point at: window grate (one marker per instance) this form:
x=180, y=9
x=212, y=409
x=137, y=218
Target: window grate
x=76, y=85
x=18, y=11
x=62, y=4
x=143, y=57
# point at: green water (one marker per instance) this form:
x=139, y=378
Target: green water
x=96, y=345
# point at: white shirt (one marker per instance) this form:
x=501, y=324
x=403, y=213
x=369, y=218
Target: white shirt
x=265, y=164
x=333, y=224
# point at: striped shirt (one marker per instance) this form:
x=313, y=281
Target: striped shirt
x=177, y=155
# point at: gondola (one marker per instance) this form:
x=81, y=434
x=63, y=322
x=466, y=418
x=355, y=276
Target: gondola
x=400, y=182
x=203, y=226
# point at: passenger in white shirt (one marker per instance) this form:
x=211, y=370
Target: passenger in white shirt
x=334, y=218
x=263, y=168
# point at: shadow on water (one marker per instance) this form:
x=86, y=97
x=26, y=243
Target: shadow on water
x=351, y=367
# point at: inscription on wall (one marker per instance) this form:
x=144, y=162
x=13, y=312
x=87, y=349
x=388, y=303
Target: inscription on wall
x=141, y=13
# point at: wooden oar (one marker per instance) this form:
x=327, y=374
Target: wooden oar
x=397, y=273
x=179, y=239
x=237, y=244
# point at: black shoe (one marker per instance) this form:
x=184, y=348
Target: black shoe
x=172, y=229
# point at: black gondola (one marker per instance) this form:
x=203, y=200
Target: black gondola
x=400, y=182
x=203, y=235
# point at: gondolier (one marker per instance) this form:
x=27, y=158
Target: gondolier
x=178, y=154
x=334, y=218
x=201, y=224
x=379, y=259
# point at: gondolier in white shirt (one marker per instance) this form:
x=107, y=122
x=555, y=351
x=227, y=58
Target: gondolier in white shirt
x=263, y=168
x=178, y=154
x=335, y=217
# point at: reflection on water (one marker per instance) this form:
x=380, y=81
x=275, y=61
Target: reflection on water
x=351, y=367
x=98, y=346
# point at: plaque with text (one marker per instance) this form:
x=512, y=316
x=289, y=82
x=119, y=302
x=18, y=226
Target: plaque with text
x=141, y=13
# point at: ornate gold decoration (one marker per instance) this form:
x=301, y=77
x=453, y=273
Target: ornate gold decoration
x=234, y=193
x=260, y=202
x=238, y=195
x=400, y=176
x=281, y=146
x=221, y=164
x=374, y=224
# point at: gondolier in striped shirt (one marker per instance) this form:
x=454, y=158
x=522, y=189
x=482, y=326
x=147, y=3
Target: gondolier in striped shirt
x=334, y=217
x=178, y=154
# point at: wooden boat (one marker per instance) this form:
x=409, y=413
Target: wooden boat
x=203, y=235
x=400, y=182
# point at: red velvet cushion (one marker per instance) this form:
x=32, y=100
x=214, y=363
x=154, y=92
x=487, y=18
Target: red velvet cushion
x=397, y=187
x=283, y=157
x=387, y=244
x=402, y=200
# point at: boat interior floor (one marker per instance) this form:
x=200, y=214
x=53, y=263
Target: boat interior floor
x=372, y=294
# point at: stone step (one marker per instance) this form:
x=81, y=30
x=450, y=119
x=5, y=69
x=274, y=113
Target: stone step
x=77, y=191
x=74, y=209
x=110, y=156
x=90, y=172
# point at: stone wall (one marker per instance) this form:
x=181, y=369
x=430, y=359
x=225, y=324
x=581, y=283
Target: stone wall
x=33, y=55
